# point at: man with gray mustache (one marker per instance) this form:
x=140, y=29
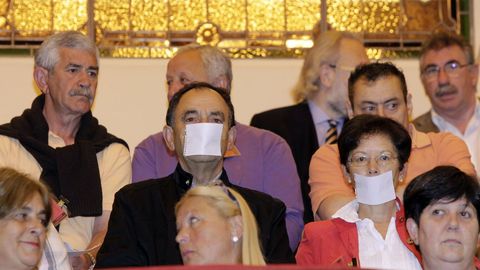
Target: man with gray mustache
x=449, y=76
x=59, y=141
x=83, y=91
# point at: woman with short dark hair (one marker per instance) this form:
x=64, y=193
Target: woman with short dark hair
x=368, y=232
x=442, y=207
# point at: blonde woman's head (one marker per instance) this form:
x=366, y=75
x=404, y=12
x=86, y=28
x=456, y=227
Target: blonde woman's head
x=216, y=226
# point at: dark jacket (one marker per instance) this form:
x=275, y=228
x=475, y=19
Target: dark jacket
x=295, y=125
x=425, y=124
x=142, y=229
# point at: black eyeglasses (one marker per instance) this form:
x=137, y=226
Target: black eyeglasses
x=342, y=67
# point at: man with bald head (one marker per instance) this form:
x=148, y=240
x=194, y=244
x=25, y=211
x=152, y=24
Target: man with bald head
x=259, y=159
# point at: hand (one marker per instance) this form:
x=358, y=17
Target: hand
x=80, y=262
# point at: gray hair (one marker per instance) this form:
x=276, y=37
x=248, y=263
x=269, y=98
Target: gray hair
x=324, y=51
x=215, y=61
x=47, y=55
x=443, y=40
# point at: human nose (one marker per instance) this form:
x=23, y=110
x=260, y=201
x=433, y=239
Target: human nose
x=442, y=76
x=380, y=111
x=36, y=226
x=182, y=236
x=372, y=167
x=85, y=80
x=453, y=222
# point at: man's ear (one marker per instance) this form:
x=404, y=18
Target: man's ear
x=326, y=76
x=236, y=226
x=474, y=74
x=168, y=137
x=412, y=229
x=409, y=107
x=232, y=136
x=40, y=75
x=221, y=81
x=348, y=106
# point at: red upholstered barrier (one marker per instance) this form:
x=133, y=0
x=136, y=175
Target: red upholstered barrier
x=228, y=267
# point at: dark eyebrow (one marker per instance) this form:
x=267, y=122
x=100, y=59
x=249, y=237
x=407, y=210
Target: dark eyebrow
x=74, y=65
x=452, y=61
x=430, y=65
x=369, y=102
x=188, y=112
x=448, y=62
x=26, y=208
x=390, y=100
x=80, y=66
x=218, y=113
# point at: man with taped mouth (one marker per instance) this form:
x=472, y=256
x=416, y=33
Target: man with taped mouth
x=200, y=128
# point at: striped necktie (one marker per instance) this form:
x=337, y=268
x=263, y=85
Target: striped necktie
x=331, y=135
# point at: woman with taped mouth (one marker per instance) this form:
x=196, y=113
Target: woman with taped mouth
x=368, y=232
x=216, y=226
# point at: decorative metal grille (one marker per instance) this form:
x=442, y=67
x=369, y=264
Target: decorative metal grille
x=243, y=28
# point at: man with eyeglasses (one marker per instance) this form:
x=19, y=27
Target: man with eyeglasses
x=321, y=93
x=380, y=89
x=449, y=76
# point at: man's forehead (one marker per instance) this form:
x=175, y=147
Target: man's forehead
x=384, y=87
x=77, y=56
x=445, y=54
x=185, y=59
x=202, y=98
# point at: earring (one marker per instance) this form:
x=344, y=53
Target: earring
x=235, y=238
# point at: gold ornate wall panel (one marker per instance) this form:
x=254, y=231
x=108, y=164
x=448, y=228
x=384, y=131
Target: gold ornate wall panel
x=243, y=28
x=30, y=21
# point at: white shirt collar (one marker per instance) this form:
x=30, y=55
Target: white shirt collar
x=443, y=125
x=349, y=212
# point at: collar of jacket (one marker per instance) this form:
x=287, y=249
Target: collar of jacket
x=184, y=179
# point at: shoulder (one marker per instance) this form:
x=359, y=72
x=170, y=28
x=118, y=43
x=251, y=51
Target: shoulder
x=282, y=112
x=151, y=141
x=422, y=118
x=441, y=139
x=6, y=140
x=259, y=135
x=153, y=188
x=257, y=199
x=327, y=151
x=116, y=149
x=424, y=123
x=13, y=154
x=325, y=228
x=9, y=143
